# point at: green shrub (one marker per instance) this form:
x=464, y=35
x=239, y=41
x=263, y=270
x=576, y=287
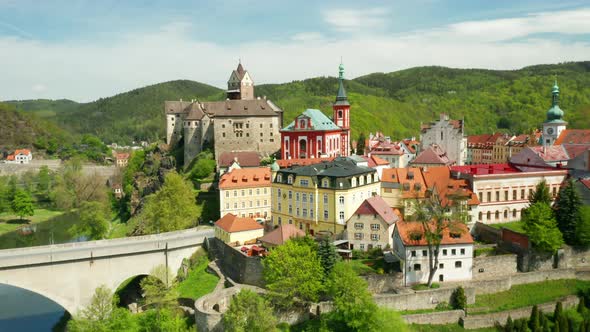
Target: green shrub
x=380, y=270
x=458, y=299
x=442, y=306
x=435, y=285
x=358, y=254
x=375, y=253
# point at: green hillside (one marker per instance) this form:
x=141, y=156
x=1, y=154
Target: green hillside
x=395, y=103
x=44, y=108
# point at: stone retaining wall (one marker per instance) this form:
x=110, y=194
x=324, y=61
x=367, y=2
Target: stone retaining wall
x=490, y=320
x=426, y=299
x=495, y=266
x=384, y=283
x=435, y=318
x=236, y=265
x=486, y=233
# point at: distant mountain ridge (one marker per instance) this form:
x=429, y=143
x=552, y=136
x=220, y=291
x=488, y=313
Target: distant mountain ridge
x=395, y=103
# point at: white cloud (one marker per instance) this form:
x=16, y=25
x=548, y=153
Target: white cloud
x=85, y=71
x=356, y=19
x=39, y=88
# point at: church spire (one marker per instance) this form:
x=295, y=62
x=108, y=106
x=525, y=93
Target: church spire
x=341, y=97
x=555, y=93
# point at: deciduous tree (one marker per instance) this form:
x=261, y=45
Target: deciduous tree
x=293, y=271
x=94, y=222
x=541, y=227
x=249, y=311
x=22, y=204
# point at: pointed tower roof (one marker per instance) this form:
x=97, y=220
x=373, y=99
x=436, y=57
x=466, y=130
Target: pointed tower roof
x=341, y=98
x=240, y=70
x=555, y=114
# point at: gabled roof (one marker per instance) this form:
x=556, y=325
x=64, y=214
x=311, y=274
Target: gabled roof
x=374, y=161
x=319, y=121
x=245, y=178
x=433, y=155
x=448, y=188
x=410, y=180
x=376, y=205
x=284, y=163
x=26, y=152
x=232, y=107
x=412, y=233
x=281, y=234
x=385, y=148
x=339, y=167
x=244, y=159
x=122, y=156
x=232, y=223
x=573, y=136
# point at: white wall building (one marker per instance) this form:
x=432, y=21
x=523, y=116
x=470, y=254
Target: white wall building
x=449, y=135
x=455, y=258
x=23, y=156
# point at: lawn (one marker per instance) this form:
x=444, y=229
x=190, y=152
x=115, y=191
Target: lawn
x=528, y=294
x=199, y=282
x=51, y=226
x=516, y=226
x=446, y=328
x=10, y=222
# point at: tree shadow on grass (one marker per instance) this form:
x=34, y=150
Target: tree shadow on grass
x=18, y=221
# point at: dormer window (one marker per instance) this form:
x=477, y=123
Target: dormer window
x=302, y=124
x=279, y=178
x=353, y=182
x=290, y=179
x=325, y=183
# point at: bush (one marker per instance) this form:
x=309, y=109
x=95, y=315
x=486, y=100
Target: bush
x=458, y=299
x=443, y=306
x=375, y=253
x=435, y=285
x=358, y=254
x=425, y=286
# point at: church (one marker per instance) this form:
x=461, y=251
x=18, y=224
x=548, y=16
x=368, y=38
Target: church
x=313, y=135
x=240, y=123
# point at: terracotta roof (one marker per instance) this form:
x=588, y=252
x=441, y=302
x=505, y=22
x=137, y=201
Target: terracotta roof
x=122, y=156
x=12, y=156
x=410, y=143
x=376, y=205
x=550, y=153
x=245, y=178
x=374, y=161
x=285, y=163
x=485, y=169
x=409, y=180
x=574, y=150
x=244, y=158
x=447, y=187
x=410, y=230
x=384, y=148
x=485, y=141
x=433, y=155
x=281, y=234
x=573, y=136
x=232, y=223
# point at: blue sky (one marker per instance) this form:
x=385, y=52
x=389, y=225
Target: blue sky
x=84, y=50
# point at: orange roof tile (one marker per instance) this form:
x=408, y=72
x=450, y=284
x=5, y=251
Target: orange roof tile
x=573, y=136
x=245, y=178
x=232, y=223
x=377, y=205
x=447, y=187
x=281, y=234
x=411, y=233
x=410, y=180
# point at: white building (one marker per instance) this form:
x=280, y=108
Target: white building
x=554, y=124
x=449, y=135
x=455, y=257
x=397, y=153
x=246, y=192
x=23, y=156
x=233, y=229
x=503, y=190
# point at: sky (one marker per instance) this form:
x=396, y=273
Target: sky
x=85, y=49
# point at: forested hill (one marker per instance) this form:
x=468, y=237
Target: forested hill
x=395, y=103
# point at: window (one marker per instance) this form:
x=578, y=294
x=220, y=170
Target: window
x=424, y=253
x=304, y=198
x=362, y=246
x=290, y=194
x=279, y=206
x=374, y=237
x=235, y=193
x=243, y=193
x=358, y=236
x=514, y=197
x=243, y=205
x=481, y=197
x=497, y=196
x=325, y=214
x=462, y=251
x=341, y=216
x=290, y=179
x=480, y=215
x=300, y=224
x=444, y=252
x=325, y=183
x=227, y=205
x=235, y=205
x=506, y=195
x=279, y=178
x=297, y=197
x=505, y=214
x=250, y=192
x=441, y=266
x=325, y=198
x=341, y=200
x=514, y=213
x=304, y=212
x=375, y=227
x=453, y=251
x=413, y=253
x=353, y=182
x=258, y=203
x=311, y=198
x=521, y=193
x=489, y=196
x=250, y=203
x=265, y=191
x=489, y=215
x=458, y=264
x=358, y=225
x=304, y=183
x=227, y=194
x=361, y=180
x=417, y=267
x=497, y=215
x=311, y=213
x=290, y=209
x=280, y=221
x=257, y=191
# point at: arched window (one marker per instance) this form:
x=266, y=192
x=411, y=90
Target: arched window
x=497, y=215
x=480, y=215
x=290, y=179
x=505, y=214
x=340, y=114
x=514, y=213
x=489, y=215
x=353, y=182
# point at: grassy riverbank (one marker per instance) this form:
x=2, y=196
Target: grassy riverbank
x=44, y=227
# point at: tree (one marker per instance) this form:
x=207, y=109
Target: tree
x=94, y=222
x=44, y=178
x=509, y=327
x=73, y=187
x=158, y=288
x=458, y=299
x=567, y=212
x=540, y=194
x=22, y=204
x=249, y=311
x=293, y=271
x=583, y=227
x=558, y=310
x=541, y=227
x=328, y=255
x=163, y=320
x=170, y=208
x=360, y=146
x=434, y=224
x=5, y=199
x=535, y=320
x=202, y=168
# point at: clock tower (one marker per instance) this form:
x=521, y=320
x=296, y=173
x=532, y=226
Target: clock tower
x=554, y=124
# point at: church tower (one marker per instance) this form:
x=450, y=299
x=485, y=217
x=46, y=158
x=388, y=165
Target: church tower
x=554, y=124
x=341, y=109
x=240, y=84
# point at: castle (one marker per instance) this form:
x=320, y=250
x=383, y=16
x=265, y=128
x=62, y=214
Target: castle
x=242, y=122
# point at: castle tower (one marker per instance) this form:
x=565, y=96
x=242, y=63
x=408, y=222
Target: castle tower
x=554, y=125
x=240, y=84
x=341, y=109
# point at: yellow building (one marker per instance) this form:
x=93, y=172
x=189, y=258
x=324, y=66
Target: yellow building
x=321, y=197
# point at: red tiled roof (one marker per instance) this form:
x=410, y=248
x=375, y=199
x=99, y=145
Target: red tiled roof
x=22, y=151
x=409, y=143
x=409, y=229
x=232, y=223
x=484, y=169
x=447, y=187
x=281, y=234
x=122, y=156
x=244, y=158
x=245, y=177
x=410, y=180
x=573, y=136
x=550, y=153
x=574, y=150
x=433, y=155
x=384, y=148
x=284, y=163
x=376, y=205
x=374, y=161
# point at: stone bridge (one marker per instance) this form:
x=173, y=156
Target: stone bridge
x=69, y=273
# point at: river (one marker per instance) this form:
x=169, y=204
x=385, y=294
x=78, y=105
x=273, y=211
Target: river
x=24, y=311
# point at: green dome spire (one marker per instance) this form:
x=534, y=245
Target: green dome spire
x=555, y=114
x=341, y=98
x=341, y=71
